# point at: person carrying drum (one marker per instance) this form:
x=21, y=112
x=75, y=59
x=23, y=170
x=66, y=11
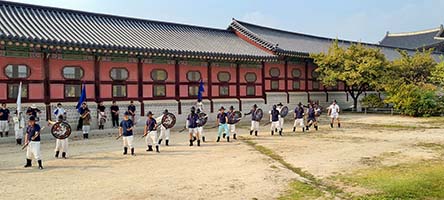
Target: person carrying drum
x=61, y=144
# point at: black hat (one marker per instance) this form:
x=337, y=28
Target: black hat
x=193, y=109
x=274, y=106
x=221, y=108
x=59, y=104
x=299, y=104
x=149, y=113
x=280, y=104
x=165, y=111
x=126, y=113
x=32, y=118
x=254, y=106
x=231, y=107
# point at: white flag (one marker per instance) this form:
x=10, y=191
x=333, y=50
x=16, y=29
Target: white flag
x=19, y=99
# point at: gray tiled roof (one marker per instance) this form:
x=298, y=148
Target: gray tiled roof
x=290, y=43
x=414, y=40
x=47, y=25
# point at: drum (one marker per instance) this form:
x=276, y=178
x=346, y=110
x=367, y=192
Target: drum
x=234, y=117
x=61, y=130
x=203, y=118
x=284, y=111
x=259, y=113
x=168, y=120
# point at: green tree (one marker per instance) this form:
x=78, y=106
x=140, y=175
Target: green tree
x=410, y=83
x=358, y=67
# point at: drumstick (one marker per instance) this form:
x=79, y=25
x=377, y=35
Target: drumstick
x=25, y=145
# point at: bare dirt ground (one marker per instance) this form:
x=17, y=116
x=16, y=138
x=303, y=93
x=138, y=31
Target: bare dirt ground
x=96, y=169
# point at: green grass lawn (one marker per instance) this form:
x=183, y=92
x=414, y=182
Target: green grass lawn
x=299, y=190
x=423, y=180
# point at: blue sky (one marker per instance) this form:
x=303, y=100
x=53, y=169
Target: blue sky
x=359, y=20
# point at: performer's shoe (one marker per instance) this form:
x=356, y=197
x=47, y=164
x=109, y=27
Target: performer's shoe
x=294, y=129
x=150, y=148
x=275, y=130
x=224, y=135
x=316, y=127
x=198, y=143
x=339, y=126
x=132, y=152
x=251, y=132
x=191, y=143
x=280, y=132
x=19, y=141
x=160, y=141
x=255, y=133
x=85, y=136
x=272, y=132
x=228, y=138
x=28, y=163
x=303, y=129
x=194, y=138
x=64, y=155
x=203, y=138
x=6, y=134
x=125, y=150
x=234, y=136
x=40, y=164
x=218, y=139
x=166, y=142
x=1, y=134
x=57, y=154
x=157, y=149
x=331, y=125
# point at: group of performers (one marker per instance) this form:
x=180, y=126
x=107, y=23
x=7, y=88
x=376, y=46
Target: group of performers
x=304, y=117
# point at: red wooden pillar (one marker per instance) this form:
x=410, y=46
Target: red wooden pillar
x=46, y=86
x=306, y=80
x=286, y=80
x=264, y=95
x=97, y=78
x=177, y=86
x=210, y=86
x=140, y=85
x=238, y=85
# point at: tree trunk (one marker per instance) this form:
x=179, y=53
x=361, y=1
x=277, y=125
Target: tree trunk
x=355, y=103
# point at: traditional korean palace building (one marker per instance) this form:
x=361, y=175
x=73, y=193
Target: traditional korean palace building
x=159, y=65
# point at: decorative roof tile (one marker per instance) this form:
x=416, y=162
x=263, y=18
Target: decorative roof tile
x=55, y=26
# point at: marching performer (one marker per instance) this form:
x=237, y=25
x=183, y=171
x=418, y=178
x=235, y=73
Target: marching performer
x=222, y=120
x=299, y=117
x=191, y=124
x=59, y=111
x=115, y=114
x=4, y=120
x=199, y=105
x=281, y=119
x=254, y=120
x=150, y=132
x=32, y=140
x=200, y=127
x=126, y=130
x=333, y=112
x=164, y=132
x=311, y=118
x=231, y=124
x=86, y=123
x=132, y=111
x=34, y=111
x=101, y=115
x=274, y=119
x=19, y=125
x=61, y=144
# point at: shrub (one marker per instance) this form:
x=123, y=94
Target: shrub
x=372, y=101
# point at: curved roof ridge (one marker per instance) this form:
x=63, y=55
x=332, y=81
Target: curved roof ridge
x=97, y=14
x=414, y=32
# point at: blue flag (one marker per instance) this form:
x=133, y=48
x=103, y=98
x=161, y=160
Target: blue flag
x=201, y=90
x=82, y=98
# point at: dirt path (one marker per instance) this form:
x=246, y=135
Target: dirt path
x=97, y=169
